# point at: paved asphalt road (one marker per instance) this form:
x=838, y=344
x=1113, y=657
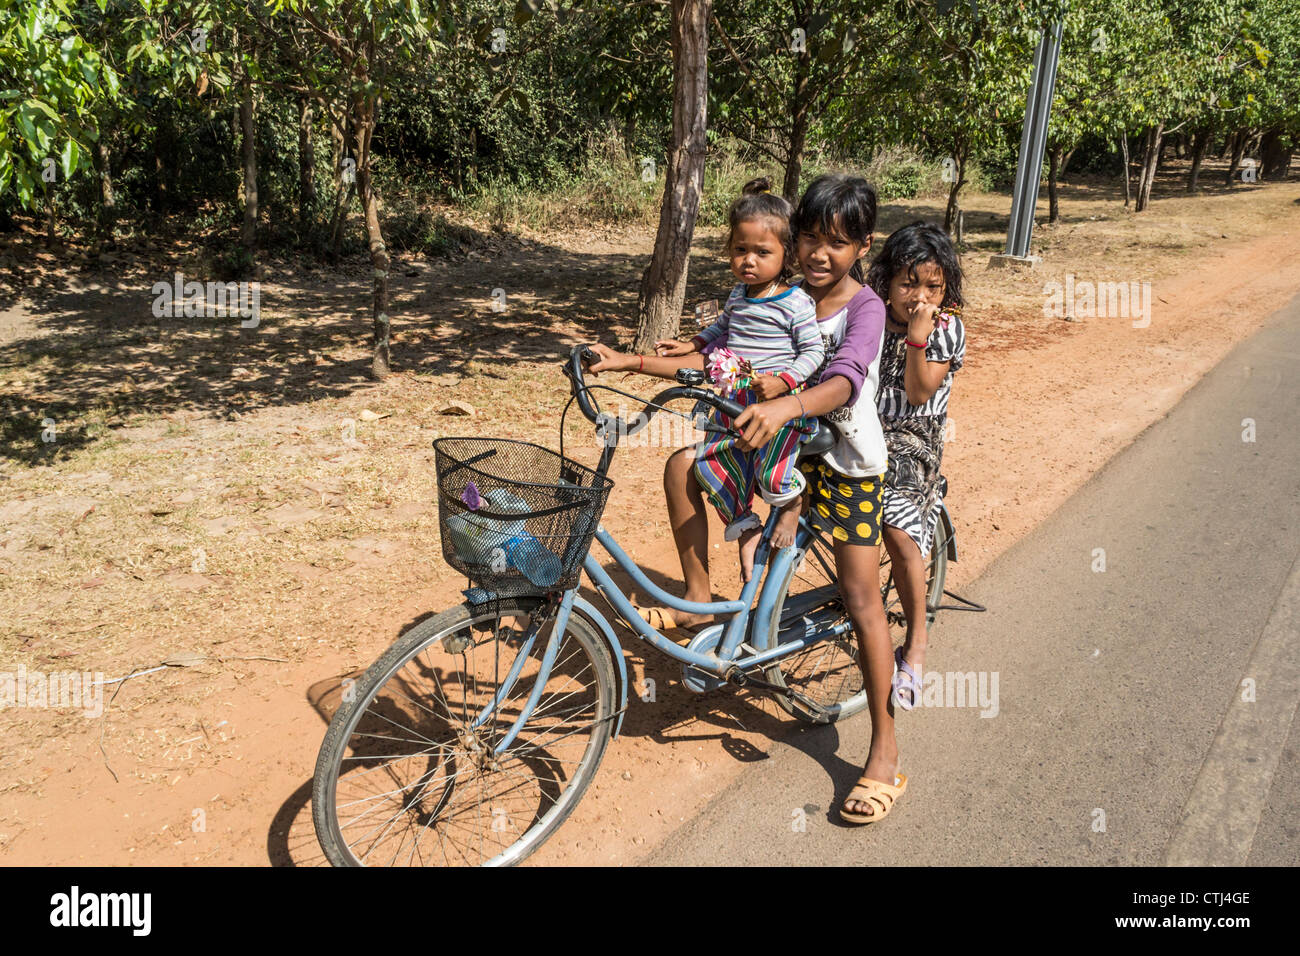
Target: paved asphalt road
x=1124, y=692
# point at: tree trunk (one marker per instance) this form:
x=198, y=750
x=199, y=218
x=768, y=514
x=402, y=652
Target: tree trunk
x=306, y=165
x=247, y=134
x=158, y=197
x=794, y=158
x=663, y=285
x=798, y=126
x=51, y=219
x=629, y=135
x=1150, y=163
x=1128, y=178
x=1065, y=161
x=365, y=111
x=1238, y=151
x=339, y=221
x=344, y=185
x=1054, y=167
x=104, y=173
x=1274, y=158
x=1200, y=143
x=950, y=213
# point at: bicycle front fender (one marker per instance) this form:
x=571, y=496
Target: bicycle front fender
x=597, y=620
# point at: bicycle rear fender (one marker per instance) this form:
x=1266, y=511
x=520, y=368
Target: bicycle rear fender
x=952, y=532
x=476, y=596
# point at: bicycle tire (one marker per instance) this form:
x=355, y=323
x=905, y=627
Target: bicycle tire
x=581, y=648
x=826, y=675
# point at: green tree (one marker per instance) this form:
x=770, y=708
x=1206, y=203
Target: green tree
x=962, y=83
x=784, y=62
x=50, y=82
x=370, y=44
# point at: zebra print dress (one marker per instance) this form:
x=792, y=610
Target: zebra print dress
x=914, y=433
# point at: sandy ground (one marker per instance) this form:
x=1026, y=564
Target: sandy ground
x=237, y=531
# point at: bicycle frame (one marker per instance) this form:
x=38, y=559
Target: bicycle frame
x=747, y=620
x=726, y=661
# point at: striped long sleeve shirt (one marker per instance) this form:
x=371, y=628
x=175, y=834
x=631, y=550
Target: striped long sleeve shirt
x=778, y=334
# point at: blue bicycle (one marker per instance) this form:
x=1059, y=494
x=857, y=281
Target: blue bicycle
x=473, y=737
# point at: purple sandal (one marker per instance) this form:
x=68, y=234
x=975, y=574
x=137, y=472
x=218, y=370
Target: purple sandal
x=906, y=681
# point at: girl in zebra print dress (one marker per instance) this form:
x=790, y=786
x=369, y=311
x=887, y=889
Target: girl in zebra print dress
x=918, y=275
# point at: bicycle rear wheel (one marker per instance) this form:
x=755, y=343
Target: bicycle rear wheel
x=405, y=777
x=825, y=675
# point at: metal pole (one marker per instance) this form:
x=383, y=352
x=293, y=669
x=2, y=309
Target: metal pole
x=1033, y=141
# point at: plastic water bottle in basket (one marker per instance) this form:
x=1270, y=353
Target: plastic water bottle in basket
x=512, y=510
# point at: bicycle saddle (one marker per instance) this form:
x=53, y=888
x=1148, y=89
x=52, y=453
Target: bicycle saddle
x=821, y=442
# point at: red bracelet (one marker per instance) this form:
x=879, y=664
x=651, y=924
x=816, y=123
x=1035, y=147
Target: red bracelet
x=915, y=345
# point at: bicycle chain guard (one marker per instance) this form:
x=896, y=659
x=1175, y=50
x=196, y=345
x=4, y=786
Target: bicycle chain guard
x=705, y=642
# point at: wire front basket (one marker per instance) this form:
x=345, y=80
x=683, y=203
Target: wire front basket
x=516, y=516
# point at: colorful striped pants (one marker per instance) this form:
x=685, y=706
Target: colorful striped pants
x=730, y=476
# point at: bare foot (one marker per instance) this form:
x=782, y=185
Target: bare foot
x=787, y=522
x=748, y=545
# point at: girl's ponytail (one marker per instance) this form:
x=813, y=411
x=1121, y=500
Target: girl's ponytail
x=758, y=202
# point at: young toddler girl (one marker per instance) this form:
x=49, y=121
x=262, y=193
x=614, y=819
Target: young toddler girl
x=773, y=346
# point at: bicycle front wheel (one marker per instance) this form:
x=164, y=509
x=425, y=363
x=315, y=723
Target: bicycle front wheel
x=825, y=675
x=409, y=773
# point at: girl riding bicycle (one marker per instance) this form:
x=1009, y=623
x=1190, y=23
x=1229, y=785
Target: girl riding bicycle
x=833, y=228
x=918, y=274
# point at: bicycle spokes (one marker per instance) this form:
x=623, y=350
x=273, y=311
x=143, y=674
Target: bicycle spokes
x=424, y=781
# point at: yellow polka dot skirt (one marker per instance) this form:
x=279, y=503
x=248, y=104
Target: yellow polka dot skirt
x=847, y=508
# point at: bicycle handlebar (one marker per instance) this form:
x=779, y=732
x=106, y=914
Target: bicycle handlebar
x=574, y=369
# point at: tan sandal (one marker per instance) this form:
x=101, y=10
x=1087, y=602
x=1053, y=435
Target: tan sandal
x=867, y=790
x=661, y=619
